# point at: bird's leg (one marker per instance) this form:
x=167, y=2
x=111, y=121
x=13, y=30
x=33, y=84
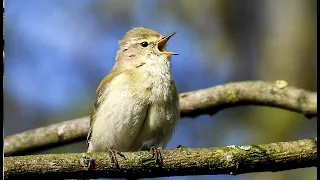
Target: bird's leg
x=156, y=154
x=112, y=155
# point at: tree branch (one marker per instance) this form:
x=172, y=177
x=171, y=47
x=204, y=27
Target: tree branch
x=278, y=94
x=46, y=137
x=194, y=103
x=231, y=160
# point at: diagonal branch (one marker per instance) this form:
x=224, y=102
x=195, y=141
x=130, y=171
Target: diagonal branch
x=46, y=137
x=231, y=160
x=278, y=94
x=194, y=103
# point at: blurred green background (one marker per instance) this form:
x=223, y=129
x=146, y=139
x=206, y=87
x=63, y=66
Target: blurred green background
x=57, y=52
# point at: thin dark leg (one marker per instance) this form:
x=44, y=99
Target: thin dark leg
x=112, y=155
x=156, y=154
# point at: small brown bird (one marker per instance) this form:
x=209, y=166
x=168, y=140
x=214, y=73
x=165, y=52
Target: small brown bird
x=137, y=106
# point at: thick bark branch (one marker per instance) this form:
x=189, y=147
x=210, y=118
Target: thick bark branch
x=194, y=103
x=231, y=160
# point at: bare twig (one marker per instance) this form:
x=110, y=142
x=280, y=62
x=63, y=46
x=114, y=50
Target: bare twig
x=231, y=160
x=194, y=103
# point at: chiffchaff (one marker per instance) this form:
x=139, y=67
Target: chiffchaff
x=137, y=106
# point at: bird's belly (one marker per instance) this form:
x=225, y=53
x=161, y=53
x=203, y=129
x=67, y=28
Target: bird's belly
x=118, y=120
x=163, y=111
x=158, y=127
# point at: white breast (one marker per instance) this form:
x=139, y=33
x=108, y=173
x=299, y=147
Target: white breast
x=158, y=78
x=163, y=111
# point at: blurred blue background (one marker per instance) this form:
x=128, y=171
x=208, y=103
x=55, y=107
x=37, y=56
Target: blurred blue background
x=57, y=52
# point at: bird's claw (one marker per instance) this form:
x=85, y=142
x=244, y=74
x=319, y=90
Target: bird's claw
x=112, y=155
x=156, y=154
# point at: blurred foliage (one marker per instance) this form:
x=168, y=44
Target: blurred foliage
x=58, y=51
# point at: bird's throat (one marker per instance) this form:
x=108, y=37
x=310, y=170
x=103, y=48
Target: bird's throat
x=158, y=77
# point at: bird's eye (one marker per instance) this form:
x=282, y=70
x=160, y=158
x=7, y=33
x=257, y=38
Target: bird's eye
x=144, y=44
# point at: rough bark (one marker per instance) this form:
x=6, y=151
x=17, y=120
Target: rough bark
x=230, y=160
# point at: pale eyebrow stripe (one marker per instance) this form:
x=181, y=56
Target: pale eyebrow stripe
x=138, y=40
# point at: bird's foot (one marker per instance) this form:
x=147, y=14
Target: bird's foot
x=156, y=154
x=112, y=155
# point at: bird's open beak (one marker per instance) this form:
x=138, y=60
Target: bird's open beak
x=162, y=42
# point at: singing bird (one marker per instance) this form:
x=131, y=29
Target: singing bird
x=137, y=104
